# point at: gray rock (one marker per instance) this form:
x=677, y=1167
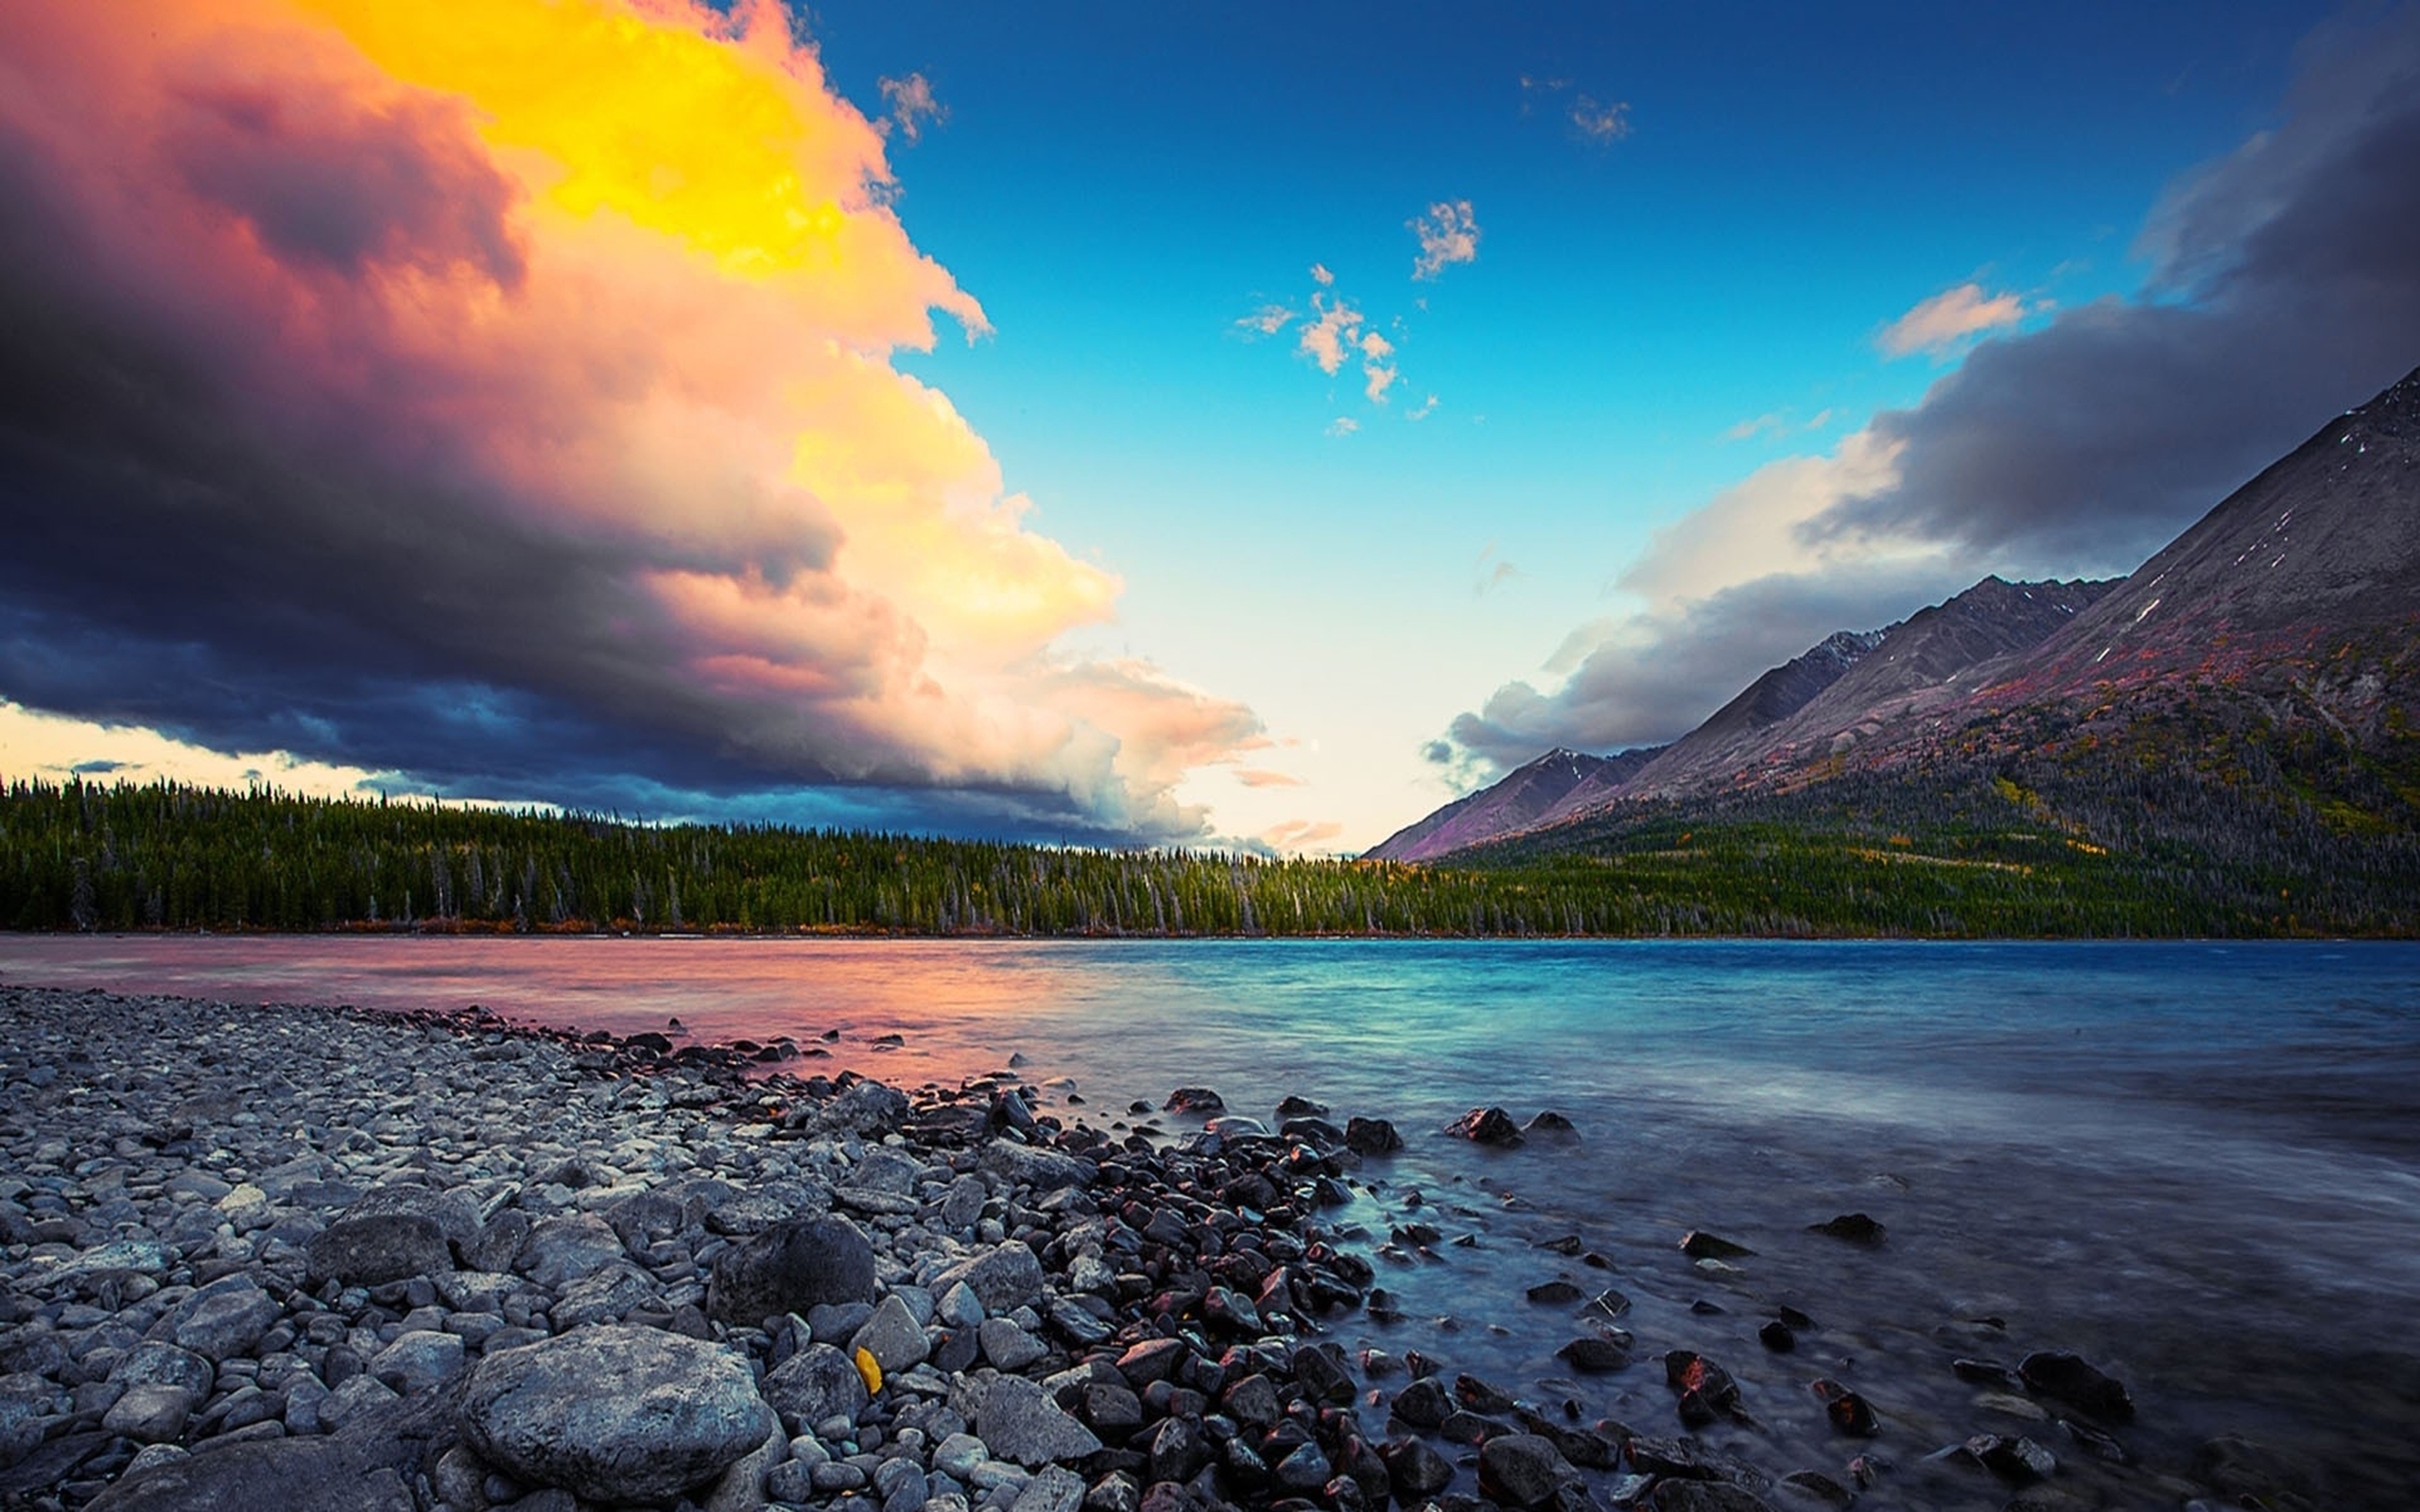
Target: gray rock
x=817, y=1383
x=794, y=1267
x=957, y=1455
x=1007, y=1346
x=150, y=1414
x=1052, y=1489
x=868, y=1108
x=742, y=1486
x=418, y=1360
x=1003, y=1278
x=892, y=1336
x=386, y=1246
x=606, y=1296
x=559, y=1252
x=456, y=1216
x=252, y=1477
x=615, y=1413
x=498, y=1239
x=958, y=1307
x=223, y=1319
x=1043, y=1170
x=155, y=1362
x=964, y=1202
x=146, y=1257
x=1020, y=1422
x=884, y=1170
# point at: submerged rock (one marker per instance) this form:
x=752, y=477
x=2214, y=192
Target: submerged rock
x=2077, y=1382
x=1487, y=1125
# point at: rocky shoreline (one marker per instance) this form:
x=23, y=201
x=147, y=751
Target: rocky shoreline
x=267, y=1257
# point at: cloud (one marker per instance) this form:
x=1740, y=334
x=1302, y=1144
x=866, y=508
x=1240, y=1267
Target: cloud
x=1300, y=835
x=2284, y=283
x=1600, y=125
x=1330, y=339
x=1266, y=322
x=912, y=105
x=1772, y=422
x=1947, y=319
x=371, y=399
x=1422, y=410
x=1377, y=372
x=1343, y=425
x=1321, y=276
x=1448, y=235
x=1264, y=777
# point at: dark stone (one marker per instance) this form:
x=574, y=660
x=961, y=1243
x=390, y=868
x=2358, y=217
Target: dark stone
x=1850, y=1413
x=1424, y=1404
x=1521, y=1469
x=1304, y=1469
x=2071, y=1379
x=1985, y=1373
x=1706, y=1496
x=318, y=1473
x=2012, y=1458
x=1487, y=1125
x=1481, y=1396
x=1777, y=1337
x=1706, y=1390
x=1593, y=1355
x=1177, y=1451
x=1151, y=1359
x=1551, y=1126
x=1370, y=1136
x=795, y=1266
x=1113, y=1412
x=1322, y=1374
x=1253, y=1401
x=1199, y=1100
x=1817, y=1487
x=817, y=1383
x=1415, y=1470
x=1855, y=1227
x=2096, y=1443
x=1555, y=1292
x=1698, y=1245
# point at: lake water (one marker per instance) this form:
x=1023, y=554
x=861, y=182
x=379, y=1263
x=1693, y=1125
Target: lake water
x=2196, y=1164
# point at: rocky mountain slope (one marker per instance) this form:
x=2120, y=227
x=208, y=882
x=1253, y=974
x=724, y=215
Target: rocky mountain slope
x=1521, y=799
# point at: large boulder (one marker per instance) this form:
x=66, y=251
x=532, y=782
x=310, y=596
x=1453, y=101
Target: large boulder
x=794, y=1266
x=1019, y=1423
x=455, y=1213
x=250, y=1477
x=615, y=1414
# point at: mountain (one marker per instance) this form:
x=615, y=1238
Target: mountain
x=1512, y=804
x=2226, y=741
x=1915, y=666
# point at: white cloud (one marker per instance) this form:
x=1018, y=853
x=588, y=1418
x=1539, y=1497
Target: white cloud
x=1422, y=410
x=1602, y=125
x=1941, y=322
x=1321, y=276
x=1343, y=425
x=1448, y=235
x=1377, y=372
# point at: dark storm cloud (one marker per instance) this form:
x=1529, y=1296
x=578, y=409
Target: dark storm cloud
x=2285, y=285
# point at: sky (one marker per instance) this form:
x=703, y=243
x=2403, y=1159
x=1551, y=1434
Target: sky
x=1241, y=426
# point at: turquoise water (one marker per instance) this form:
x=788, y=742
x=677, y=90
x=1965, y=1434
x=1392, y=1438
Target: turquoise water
x=2197, y=1164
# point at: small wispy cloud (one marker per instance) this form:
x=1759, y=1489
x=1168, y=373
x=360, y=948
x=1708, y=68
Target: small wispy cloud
x=1266, y=322
x=1422, y=410
x=1778, y=423
x=1321, y=276
x=1343, y=425
x=1602, y=125
x=1298, y=834
x=913, y=105
x=1265, y=777
x=1448, y=235
x=1378, y=373
x=1494, y=571
x=1941, y=323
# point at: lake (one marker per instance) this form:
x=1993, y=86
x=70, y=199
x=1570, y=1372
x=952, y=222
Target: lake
x=2196, y=1164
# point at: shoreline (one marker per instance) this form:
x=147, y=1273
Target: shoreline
x=1156, y=1274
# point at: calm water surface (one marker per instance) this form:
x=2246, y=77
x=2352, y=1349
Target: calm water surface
x=2198, y=1165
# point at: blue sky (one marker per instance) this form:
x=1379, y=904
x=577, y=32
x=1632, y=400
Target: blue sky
x=1647, y=431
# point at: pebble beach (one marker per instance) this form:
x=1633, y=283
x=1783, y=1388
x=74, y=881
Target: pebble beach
x=265, y=1256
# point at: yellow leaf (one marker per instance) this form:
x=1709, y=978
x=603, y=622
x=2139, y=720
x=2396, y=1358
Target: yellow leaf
x=870, y=1368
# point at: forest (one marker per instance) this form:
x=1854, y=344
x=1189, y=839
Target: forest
x=1993, y=857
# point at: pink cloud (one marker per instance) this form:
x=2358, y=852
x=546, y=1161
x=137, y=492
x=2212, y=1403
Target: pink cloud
x=1448, y=235
x=1941, y=322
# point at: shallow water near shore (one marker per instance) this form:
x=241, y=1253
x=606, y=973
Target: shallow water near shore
x=2196, y=1164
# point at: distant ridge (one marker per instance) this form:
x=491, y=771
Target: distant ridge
x=1515, y=803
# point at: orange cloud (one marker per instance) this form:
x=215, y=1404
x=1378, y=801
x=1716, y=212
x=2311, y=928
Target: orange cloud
x=1265, y=777
x=612, y=286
